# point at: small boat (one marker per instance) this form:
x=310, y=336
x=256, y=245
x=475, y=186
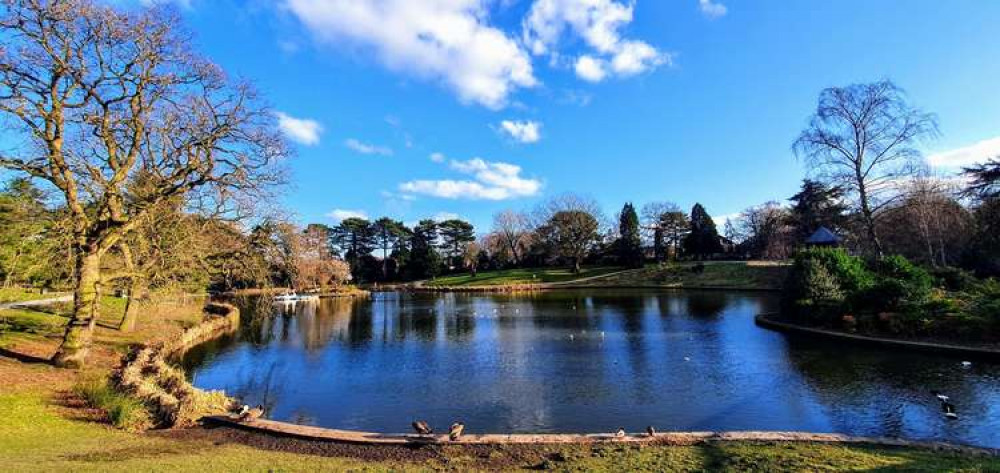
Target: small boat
x=292, y=297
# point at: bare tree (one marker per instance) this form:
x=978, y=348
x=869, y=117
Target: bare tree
x=101, y=99
x=863, y=137
x=765, y=232
x=513, y=229
x=928, y=224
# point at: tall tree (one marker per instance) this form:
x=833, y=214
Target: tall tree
x=572, y=235
x=765, y=231
x=355, y=238
x=455, y=235
x=702, y=240
x=513, y=229
x=97, y=96
x=629, y=239
x=675, y=226
x=863, y=137
x=817, y=205
x=655, y=223
x=388, y=233
x=424, y=261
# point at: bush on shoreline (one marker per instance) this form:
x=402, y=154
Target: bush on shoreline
x=828, y=287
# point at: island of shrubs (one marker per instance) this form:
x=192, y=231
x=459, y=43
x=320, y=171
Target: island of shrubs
x=830, y=288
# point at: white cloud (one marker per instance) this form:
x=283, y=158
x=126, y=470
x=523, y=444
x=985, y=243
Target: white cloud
x=365, y=148
x=339, y=215
x=598, y=23
x=442, y=216
x=492, y=181
x=712, y=9
x=590, y=69
x=522, y=131
x=186, y=4
x=438, y=157
x=444, y=40
x=967, y=155
x=300, y=130
x=720, y=220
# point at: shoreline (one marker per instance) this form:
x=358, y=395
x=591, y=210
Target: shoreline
x=767, y=321
x=320, y=434
x=563, y=286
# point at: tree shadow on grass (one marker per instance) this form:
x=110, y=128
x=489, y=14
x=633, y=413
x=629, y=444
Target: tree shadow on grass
x=24, y=357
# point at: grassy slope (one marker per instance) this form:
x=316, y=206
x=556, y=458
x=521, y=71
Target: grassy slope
x=36, y=436
x=521, y=276
x=716, y=274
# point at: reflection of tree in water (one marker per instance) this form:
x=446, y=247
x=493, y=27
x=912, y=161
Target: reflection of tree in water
x=324, y=321
x=708, y=304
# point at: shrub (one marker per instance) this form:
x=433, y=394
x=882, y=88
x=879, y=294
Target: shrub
x=120, y=410
x=986, y=306
x=850, y=271
x=899, y=284
x=953, y=279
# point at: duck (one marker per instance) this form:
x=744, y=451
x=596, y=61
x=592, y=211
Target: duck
x=455, y=432
x=620, y=433
x=941, y=397
x=251, y=413
x=651, y=431
x=949, y=410
x=422, y=428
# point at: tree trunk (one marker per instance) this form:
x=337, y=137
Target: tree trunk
x=137, y=293
x=80, y=329
x=576, y=265
x=869, y=218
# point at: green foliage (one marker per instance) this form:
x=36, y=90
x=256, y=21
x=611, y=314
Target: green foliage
x=817, y=205
x=899, y=284
x=122, y=411
x=986, y=305
x=849, y=271
x=821, y=292
x=629, y=240
x=703, y=239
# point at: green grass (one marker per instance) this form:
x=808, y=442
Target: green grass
x=37, y=436
x=16, y=294
x=509, y=277
x=715, y=274
x=120, y=410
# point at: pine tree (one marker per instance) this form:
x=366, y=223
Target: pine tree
x=817, y=205
x=703, y=239
x=629, y=240
x=424, y=261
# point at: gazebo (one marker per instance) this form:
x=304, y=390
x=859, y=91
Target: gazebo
x=823, y=237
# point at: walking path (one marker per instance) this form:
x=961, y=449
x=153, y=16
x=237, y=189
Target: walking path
x=37, y=303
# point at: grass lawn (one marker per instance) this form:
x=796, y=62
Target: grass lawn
x=38, y=435
x=16, y=294
x=522, y=276
x=715, y=274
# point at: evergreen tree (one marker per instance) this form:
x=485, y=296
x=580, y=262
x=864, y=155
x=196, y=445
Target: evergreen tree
x=703, y=239
x=984, y=179
x=355, y=238
x=629, y=240
x=455, y=235
x=387, y=233
x=424, y=261
x=817, y=205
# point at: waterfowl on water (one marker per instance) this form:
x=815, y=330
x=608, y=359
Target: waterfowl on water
x=455, y=432
x=941, y=397
x=620, y=433
x=248, y=413
x=651, y=431
x=422, y=428
x=949, y=410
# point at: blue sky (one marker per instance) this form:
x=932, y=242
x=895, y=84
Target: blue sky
x=697, y=101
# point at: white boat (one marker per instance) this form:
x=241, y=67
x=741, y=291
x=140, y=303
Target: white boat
x=292, y=297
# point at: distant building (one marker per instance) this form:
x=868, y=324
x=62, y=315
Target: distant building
x=823, y=237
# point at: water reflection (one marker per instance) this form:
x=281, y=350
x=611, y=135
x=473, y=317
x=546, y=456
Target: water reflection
x=578, y=361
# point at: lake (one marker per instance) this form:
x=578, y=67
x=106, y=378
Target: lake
x=583, y=361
